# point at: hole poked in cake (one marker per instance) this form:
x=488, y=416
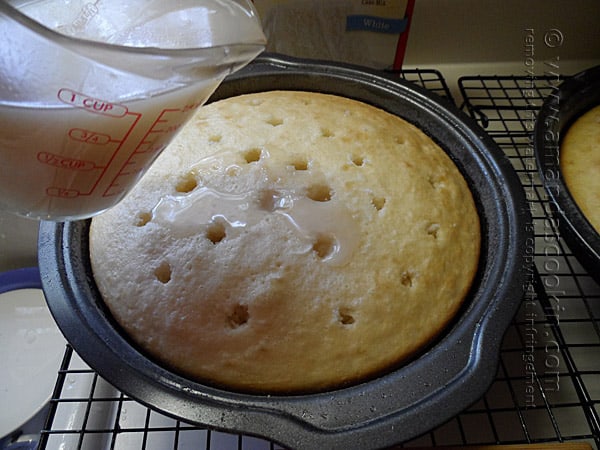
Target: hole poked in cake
x=239, y=316
x=271, y=200
x=143, y=218
x=163, y=272
x=299, y=163
x=187, y=183
x=408, y=278
x=274, y=121
x=346, y=315
x=327, y=133
x=252, y=155
x=319, y=192
x=215, y=138
x=378, y=202
x=233, y=171
x=436, y=182
x=433, y=230
x=357, y=160
x=216, y=232
x=324, y=245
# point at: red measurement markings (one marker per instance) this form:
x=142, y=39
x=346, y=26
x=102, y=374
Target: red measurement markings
x=65, y=163
x=191, y=107
x=92, y=138
x=62, y=192
x=91, y=104
x=89, y=137
x=137, y=117
x=154, y=141
x=168, y=122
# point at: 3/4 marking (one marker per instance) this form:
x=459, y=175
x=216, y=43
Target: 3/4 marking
x=89, y=137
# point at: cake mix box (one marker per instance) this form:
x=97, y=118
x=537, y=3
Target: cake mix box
x=371, y=33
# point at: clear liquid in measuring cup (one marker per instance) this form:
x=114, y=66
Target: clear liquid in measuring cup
x=79, y=163
x=79, y=125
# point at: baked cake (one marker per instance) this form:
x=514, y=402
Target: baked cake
x=580, y=164
x=289, y=242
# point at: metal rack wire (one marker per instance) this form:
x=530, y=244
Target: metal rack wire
x=430, y=79
x=547, y=388
x=550, y=358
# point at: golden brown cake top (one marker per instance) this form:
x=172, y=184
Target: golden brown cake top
x=289, y=241
x=580, y=164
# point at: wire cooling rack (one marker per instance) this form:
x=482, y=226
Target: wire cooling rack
x=547, y=388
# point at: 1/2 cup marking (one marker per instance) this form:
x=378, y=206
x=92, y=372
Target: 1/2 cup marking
x=63, y=162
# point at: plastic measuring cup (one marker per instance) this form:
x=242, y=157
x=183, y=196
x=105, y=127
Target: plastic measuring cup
x=91, y=91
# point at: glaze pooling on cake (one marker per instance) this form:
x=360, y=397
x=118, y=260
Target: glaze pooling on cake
x=289, y=242
x=313, y=211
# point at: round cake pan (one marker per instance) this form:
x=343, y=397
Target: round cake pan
x=447, y=377
x=571, y=99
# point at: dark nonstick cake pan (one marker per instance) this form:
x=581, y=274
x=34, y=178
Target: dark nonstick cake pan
x=566, y=103
x=448, y=376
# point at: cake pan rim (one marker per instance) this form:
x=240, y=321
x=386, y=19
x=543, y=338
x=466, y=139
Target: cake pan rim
x=568, y=100
x=487, y=332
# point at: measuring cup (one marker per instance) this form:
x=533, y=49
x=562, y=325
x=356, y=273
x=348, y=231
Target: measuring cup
x=91, y=91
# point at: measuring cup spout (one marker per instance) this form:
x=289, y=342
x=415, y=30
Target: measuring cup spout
x=154, y=39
